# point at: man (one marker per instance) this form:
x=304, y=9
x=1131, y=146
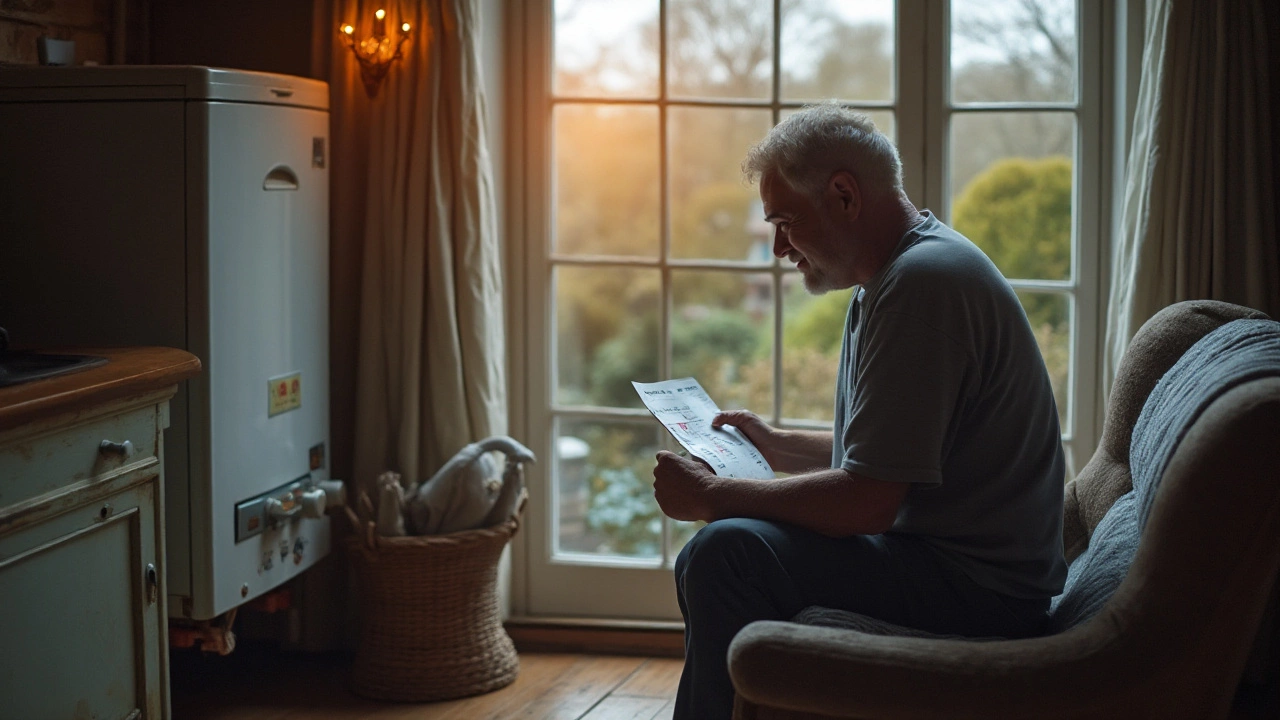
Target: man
x=936, y=503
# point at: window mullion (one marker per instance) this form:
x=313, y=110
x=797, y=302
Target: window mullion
x=1089, y=227
x=664, y=223
x=937, y=108
x=776, y=98
x=909, y=97
x=1012, y=106
x=777, y=53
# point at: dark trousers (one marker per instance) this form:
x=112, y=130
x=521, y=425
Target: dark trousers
x=736, y=571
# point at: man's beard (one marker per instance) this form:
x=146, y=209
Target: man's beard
x=816, y=282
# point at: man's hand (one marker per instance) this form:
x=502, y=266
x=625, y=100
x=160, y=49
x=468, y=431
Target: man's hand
x=788, y=451
x=682, y=487
x=759, y=432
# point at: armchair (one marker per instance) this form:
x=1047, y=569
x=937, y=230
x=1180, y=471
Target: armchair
x=1191, y=617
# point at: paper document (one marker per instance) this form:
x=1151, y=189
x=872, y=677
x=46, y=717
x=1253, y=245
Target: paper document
x=685, y=409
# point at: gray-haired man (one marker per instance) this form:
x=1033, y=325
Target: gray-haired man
x=936, y=502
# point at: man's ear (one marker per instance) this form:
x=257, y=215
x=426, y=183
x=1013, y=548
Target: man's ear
x=844, y=194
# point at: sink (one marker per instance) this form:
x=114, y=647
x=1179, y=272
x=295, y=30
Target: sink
x=19, y=366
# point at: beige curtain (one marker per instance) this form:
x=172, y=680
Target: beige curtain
x=1198, y=218
x=430, y=367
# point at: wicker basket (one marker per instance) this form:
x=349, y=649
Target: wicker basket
x=432, y=625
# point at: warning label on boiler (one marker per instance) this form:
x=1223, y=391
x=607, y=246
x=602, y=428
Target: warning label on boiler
x=284, y=393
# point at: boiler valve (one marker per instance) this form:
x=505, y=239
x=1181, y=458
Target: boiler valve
x=296, y=500
x=313, y=503
x=278, y=509
x=335, y=492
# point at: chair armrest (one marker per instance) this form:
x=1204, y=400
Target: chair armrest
x=845, y=673
x=1171, y=643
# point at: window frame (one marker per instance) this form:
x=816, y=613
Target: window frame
x=1090, y=228
x=921, y=123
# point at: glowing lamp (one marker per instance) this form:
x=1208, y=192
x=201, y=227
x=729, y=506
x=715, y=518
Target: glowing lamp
x=376, y=52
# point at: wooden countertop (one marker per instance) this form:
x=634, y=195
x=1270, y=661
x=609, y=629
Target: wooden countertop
x=128, y=372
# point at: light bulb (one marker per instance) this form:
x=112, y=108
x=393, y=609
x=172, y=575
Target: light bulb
x=348, y=29
x=380, y=14
x=405, y=27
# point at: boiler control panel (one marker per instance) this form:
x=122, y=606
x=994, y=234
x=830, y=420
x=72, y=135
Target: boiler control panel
x=299, y=498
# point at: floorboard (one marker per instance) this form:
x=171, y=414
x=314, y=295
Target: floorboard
x=656, y=679
x=262, y=683
x=626, y=708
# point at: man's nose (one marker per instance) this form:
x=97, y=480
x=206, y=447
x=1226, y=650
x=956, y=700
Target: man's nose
x=780, y=244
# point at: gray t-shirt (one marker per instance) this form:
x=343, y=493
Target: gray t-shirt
x=941, y=385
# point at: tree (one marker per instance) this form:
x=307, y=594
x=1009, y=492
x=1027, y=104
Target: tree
x=1014, y=51
x=1031, y=52
x=711, y=348
x=1018, y=211
x=848, y=61
x=709, y=219
x=819, y=324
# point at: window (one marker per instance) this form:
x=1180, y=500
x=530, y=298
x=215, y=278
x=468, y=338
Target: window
x=1022, y=132
x=648, y=257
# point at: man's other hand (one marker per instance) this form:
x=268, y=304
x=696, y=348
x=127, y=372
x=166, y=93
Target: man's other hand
x=760, y=433
x=682, y=487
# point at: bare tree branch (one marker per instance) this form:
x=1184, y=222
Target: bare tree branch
x=1056, y=43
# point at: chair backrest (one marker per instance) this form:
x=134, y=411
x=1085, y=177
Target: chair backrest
x=1159, y=344
x=1231, y=356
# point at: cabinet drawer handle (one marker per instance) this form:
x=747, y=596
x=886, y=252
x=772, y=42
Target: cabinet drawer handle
x=124, y=449
x=153, y=584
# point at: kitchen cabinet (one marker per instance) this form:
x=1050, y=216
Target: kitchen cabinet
x=82, y=596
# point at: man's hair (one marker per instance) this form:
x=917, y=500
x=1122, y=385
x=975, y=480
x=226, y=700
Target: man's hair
x=808, y=147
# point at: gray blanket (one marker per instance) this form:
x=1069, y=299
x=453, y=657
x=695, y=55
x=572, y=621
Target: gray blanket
x=1235, y=353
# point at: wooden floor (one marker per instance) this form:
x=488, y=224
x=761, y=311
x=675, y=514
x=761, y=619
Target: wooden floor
x=265, y=684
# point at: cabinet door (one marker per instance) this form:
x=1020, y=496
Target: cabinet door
x=80, y=617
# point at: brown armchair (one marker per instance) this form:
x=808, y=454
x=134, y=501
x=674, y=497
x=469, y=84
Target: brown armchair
x=1190, y=624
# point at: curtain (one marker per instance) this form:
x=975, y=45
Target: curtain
x=430, y=367
x=1198, y=218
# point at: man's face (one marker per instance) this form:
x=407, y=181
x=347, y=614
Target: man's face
x=806, y=234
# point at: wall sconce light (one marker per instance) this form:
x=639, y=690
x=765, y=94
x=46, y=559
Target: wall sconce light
x=376, y=52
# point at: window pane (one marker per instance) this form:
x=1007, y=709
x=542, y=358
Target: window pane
x=720, y=48
x=606, y=180
x=722, y=334
x=606, y=334
x=812, y=327
x=1013, y=50
x=1050, y=317
x=883, y=120
x=1011, y=180
x=606, y=48
x=838, y=49
x=604, y=479
x=1069, y=450
x=713, y=213
x=681, y=533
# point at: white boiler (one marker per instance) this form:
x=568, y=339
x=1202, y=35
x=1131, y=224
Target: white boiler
x=188, y=207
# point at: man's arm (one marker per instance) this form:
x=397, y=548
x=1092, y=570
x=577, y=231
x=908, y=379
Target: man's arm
x=788, y=451
x=833, y=502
